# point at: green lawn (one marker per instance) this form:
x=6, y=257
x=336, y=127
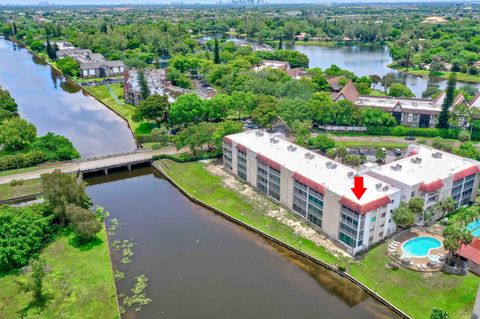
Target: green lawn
x=29, y=187
x=195, y=179
x=79, y=283
x=443, y=75
x=117, y=103
x=26, y=169
x=412, y=292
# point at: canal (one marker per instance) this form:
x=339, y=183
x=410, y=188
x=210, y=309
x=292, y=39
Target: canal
x=55, y=104
x=200, y=265
x=366, y=60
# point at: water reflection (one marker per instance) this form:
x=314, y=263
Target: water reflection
x=55, y=104
x=366, y=60
x=201, y=266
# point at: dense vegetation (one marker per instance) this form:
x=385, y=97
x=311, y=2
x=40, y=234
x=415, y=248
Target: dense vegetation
x=19, y=144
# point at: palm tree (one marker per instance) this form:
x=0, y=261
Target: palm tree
x=451, y=240
x=469, y=215
x=445, y=206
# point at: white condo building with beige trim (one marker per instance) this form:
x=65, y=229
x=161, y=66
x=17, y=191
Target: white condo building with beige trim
x=319, y=189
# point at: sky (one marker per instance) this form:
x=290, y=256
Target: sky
x=100, y=2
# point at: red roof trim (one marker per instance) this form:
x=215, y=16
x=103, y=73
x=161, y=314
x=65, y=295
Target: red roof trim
x=310, y=183
x=240, y=147
x=227, y=140
x=471, y=252
x=430, y=187
x=367, y=207
x=466, y=172
x=269, y=162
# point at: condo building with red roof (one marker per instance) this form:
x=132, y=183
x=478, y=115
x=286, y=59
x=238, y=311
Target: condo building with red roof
x=319, y=189
x=315, y=187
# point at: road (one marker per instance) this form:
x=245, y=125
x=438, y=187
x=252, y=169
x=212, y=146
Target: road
x=89, y=164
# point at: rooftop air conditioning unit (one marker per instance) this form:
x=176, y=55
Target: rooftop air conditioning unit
x=350, y=174
x=334, y=165
x=437, y=155
x=328, y=164
x=291, y=148
x=378, y=186
x=259, y=133
x=273, y=140
x=385, y=188
x=309, y=156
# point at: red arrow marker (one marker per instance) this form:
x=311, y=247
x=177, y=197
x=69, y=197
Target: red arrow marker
x=358, y=188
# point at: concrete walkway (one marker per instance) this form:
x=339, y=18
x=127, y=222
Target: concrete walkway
x=91, y=164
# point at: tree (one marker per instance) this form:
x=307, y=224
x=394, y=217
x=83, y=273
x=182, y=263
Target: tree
x=280, y=43
x=225, y=128
x=445, y=206
x=153, y=108
x=403, y=216
x=51, y=52
x=36, y=282
x=142, y=81
x=400, y=90
x=448, y=102
x=265, y=114
x=55, y=147
x=7, y=103
x=60, y=190
x=84, y=222
x=451, y=239
x=242, y=101
x=439, y=314
x=463, y=136
x=68, y=66
x=196, y=136
x=218, y=106
x=430, y=91
x=416, y=205
x=16, y=134
x=160, y=136
x=216, y=52
x=301, y=130
x=377, y=117
x=322, y=142
x=387, y=80
x=188, y=108
x=380, y=155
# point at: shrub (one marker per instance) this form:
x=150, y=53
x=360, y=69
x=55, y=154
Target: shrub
x=25, y=230
x=463, y=136
x=21, y=160
x=55, y=147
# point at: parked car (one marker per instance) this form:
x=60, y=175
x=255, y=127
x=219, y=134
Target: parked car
x=410, y=138
x=361, y=152
x=397, y=152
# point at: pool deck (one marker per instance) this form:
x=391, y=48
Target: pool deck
x=395, y=252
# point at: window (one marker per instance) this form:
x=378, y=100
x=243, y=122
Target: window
x=351, y=227
x=308, y=203
x=227, y=157
x=242, y=165
x=268, y=180
x=373, y=219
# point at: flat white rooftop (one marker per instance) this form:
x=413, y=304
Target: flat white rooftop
x=389, y=102
x=427, y=165
x=338, y=178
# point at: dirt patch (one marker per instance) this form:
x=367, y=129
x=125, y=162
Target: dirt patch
x=262, y=204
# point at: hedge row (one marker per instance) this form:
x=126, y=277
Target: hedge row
x=187, y=157
x=412, y=131
x=21, y=160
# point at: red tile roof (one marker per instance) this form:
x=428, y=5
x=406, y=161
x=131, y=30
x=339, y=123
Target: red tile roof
x=269, y=162
x=466, y=172
x=335, y=82
x=430, y=187
x=227, y=140
x=471, y=252
x=310, y=183
x=367, y=207
x=459, y=99
x=240, y=147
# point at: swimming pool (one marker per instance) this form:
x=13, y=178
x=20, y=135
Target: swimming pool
x=475, y=228
x=421, y=246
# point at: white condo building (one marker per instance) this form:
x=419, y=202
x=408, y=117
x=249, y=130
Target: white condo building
x=319, y=189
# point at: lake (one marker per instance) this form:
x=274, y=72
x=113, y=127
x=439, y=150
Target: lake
x=200, y=265
x=366, y=60
x=55, y=104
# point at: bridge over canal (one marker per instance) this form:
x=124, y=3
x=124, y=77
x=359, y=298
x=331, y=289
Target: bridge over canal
x=94, y=164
